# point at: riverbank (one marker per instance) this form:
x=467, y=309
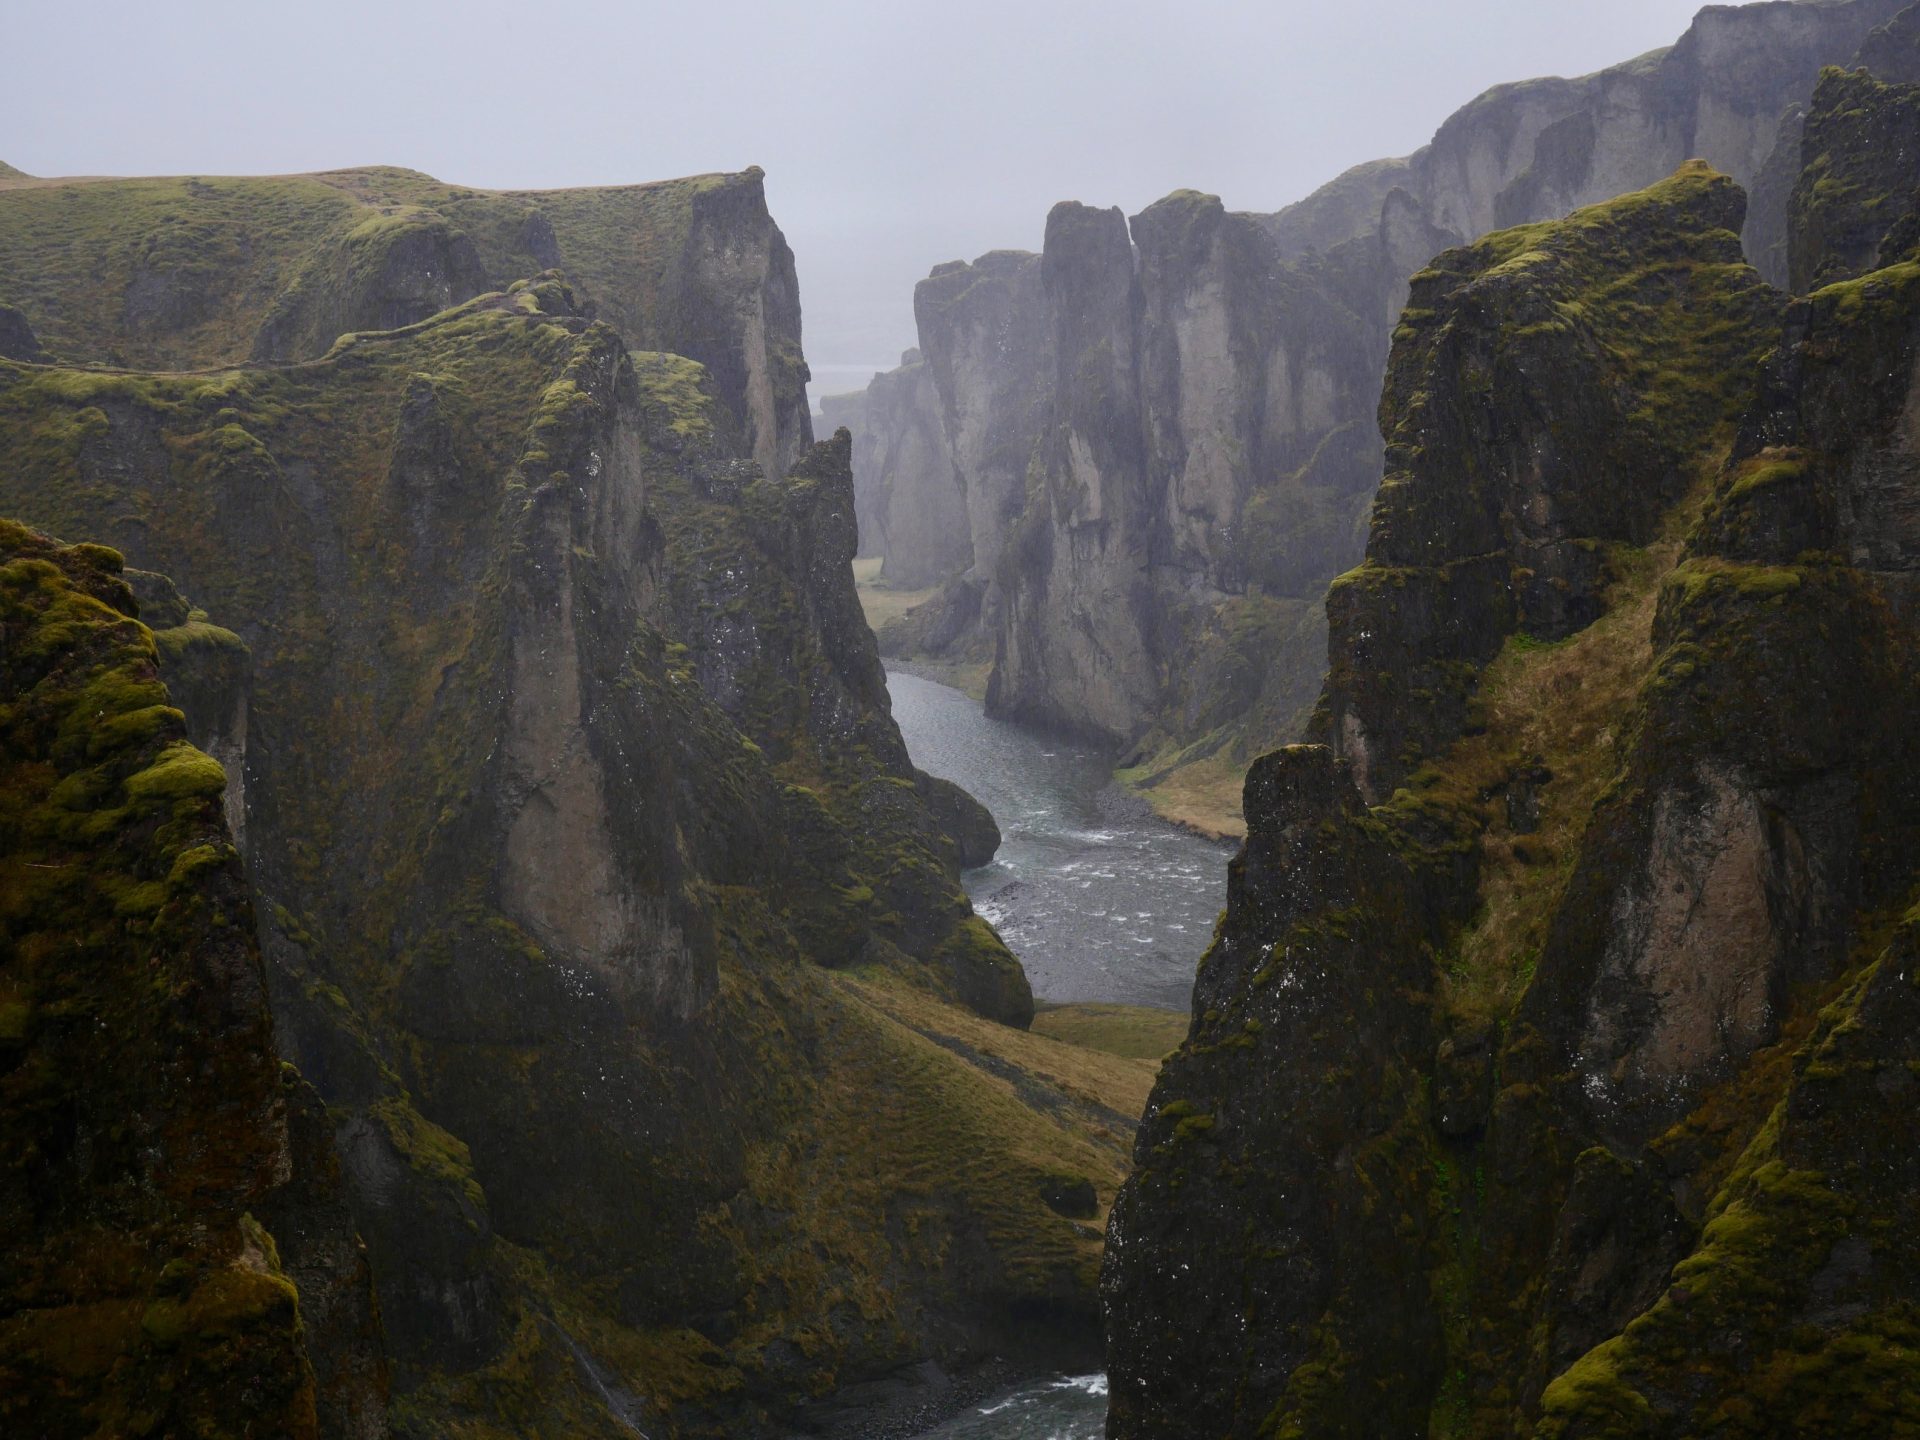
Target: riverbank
x=1200, y=795
x=1103, y=901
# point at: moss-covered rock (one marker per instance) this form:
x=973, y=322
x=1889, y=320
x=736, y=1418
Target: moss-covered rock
x=1855, y=207
x=17, y=340
x=191, y=271
x=1552, y=392
x=576, y=810
x=149, y=1130
x=1622, y=1143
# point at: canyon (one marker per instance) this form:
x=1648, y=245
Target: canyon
x=614, y=948
x=500, y=935
x=1162, y=430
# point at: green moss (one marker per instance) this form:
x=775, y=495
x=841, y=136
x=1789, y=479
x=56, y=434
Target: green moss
x=678, y=387
x=431, y=1150
x=180, y=772
x=122, y=925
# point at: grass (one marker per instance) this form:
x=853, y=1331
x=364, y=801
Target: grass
x=1564, y=705
x=1202, y=795
x=1133, y=1032
x=879, y=601
x=214, y=255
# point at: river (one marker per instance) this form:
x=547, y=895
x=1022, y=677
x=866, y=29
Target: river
x=1100, y=899
x=1069, y=1408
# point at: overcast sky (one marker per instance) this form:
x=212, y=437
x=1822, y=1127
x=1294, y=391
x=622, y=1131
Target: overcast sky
x=895, y=133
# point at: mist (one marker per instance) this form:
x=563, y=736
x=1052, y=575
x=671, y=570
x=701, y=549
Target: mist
x=894, y=136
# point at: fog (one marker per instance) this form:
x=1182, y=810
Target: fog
x=895, y=134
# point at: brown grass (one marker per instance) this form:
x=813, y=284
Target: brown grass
x=880, y=601
x=1133, y=1032
x=1567, y=705
x=1204, y=796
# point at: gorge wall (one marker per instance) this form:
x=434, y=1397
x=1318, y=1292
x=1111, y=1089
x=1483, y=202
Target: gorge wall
x=1550, y=1071
x=666, y=1073
x=1163, y=430
x=179, y=1257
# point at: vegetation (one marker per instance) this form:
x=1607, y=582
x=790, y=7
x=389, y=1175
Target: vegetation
x=1133, y=1032
x=377, y=526
x=192, y=271
x=138, y=1086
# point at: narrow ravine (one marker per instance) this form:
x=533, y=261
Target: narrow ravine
x=1102, y=901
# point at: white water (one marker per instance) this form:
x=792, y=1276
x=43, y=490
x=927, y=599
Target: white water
x=1070, y=1408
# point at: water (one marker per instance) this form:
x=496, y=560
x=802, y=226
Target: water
x=1101, y=900
x=1065, y=1409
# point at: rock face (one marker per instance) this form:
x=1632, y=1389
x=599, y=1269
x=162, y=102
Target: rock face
x=1508, y=393
x=848, y=411
x=191, y=272
x=178, y=1256
x=1164, y=429
x=672, y=1079
x=918, y=507
x=1556, y=1091
x=1852, y=210
x=17, y=340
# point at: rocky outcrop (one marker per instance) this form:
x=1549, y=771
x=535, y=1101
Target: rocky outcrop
x=848, y=411
x=1510, y=402
x=1231, y=1240
x=987, y=337
x=919, y=512
x=1592, y=1022
x=673, y=1080
x=390, y=270
x=1169, y=605
x=222, y=271
x=177, y=1254
x=1853, y=208
x=17, y=340
x=970, y=824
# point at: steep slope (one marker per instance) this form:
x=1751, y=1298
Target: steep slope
x=1548, y=1093
x=913, y=507
x=184, y=272
x=1852, y=210
x=1163, y=595
x=176, y=1255
x=601, y=902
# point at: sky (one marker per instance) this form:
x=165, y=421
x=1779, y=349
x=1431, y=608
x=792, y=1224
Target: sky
x=895, y=133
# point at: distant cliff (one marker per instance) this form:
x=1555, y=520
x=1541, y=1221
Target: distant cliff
x=1164, y=428
x=1551, y=1069
x=190, y=271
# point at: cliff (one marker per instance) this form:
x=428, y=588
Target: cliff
x=915, y=507
x=1163, y=595
x=178, y=1257
x=1546, y=1070
x=193, y=271
x=674, y=1084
